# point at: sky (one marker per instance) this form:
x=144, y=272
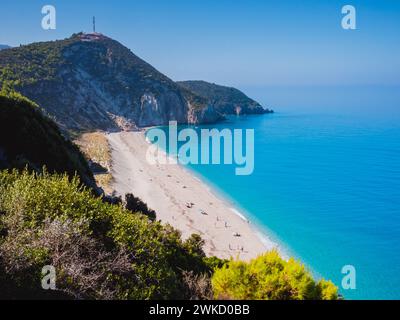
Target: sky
x=238, y=42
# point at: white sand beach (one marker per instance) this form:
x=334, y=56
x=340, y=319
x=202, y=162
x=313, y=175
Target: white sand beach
x=183, y=200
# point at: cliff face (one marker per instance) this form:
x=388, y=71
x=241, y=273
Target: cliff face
x=225, y=100
x=91, y=82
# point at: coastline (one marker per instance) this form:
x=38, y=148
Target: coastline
x=263, y=233
x=184, y=200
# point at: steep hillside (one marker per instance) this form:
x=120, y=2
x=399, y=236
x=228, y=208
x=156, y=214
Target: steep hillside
x=224, y=99
x=90, y=81
x=29, y=138
x=99, y=250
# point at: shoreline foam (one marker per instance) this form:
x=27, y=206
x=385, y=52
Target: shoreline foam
x=169, y=188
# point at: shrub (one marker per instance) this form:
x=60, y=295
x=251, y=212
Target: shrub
x=198, y=287
x=86, y=269
x=134, y=204
x=269, y=277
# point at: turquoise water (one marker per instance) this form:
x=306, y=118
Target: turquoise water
x=326, y=183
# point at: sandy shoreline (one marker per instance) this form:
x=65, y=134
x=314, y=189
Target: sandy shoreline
x=168, y=189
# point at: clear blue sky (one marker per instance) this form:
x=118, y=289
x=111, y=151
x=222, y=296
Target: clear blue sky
x=236, y=42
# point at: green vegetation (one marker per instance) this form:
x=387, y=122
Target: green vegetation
x=269, y=277
x=100, y=251
x=215, y=92
x=26, y=65
x=134, y=204
x=224, y=99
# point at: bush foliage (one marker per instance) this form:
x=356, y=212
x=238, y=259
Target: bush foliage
x=34, y=206
x=269, y=277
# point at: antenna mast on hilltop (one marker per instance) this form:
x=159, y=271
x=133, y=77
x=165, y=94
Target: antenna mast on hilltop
x=94, y=24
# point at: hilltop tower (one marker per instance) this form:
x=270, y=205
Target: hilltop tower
x=94, y=24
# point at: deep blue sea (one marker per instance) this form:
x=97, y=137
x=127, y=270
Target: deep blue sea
x=326, y=183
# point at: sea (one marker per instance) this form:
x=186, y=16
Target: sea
x=326, y=181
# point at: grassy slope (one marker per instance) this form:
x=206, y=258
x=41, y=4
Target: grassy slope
x=29, y=138
x=96, y=149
